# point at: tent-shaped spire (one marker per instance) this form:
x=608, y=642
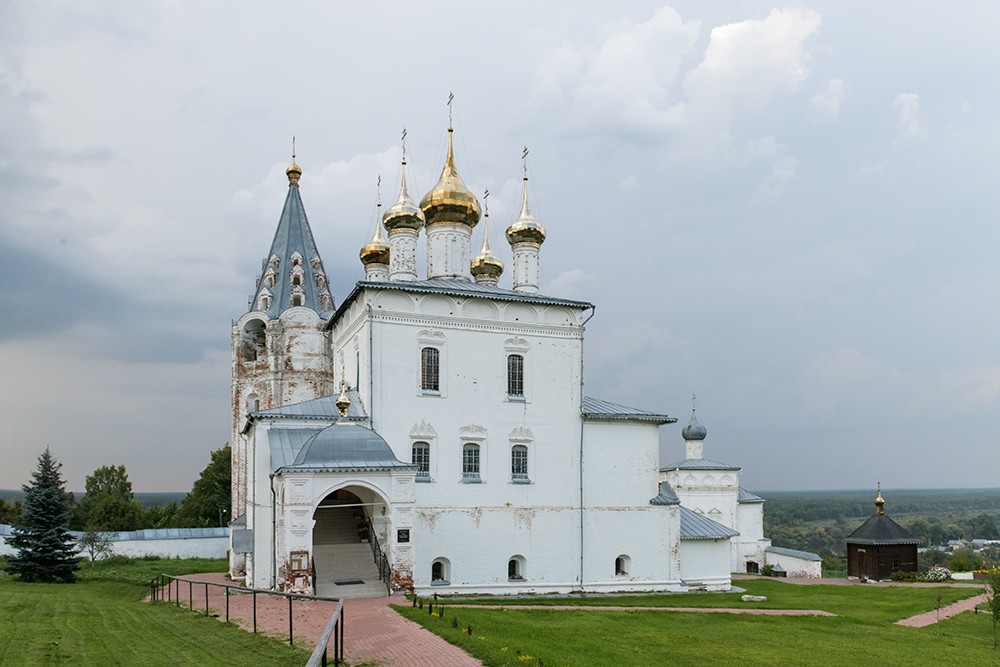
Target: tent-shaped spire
x=292, y=273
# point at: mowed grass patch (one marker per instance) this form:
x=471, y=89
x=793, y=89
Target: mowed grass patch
x=634, y=637
x=869, y=603
x=102, y=620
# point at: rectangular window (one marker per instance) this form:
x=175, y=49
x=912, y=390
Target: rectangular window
x=519, y=463
x=470, y=462
x=515, y=375
x=422, y=459
x=430, y=368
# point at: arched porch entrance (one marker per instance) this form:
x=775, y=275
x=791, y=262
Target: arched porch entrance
x=349, y=528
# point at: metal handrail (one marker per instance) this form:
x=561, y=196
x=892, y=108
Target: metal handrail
x=166, y=587
x=335, y=627
x=381, y=560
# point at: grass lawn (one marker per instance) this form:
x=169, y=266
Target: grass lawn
x=102, y=620
x=863, y=630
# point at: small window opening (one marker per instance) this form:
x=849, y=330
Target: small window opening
x=430, y=369
x=422, y=459
x=621, y=566
x=470, y=462
x=515, y=375
x=519, y=463
x=515, y=570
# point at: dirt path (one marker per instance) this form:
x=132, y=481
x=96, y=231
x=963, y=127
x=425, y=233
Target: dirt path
x=709, y=610
x=932, y=617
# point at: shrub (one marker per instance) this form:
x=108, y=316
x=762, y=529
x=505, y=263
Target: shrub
x=936, y=573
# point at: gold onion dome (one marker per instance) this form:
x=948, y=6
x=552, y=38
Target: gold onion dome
x=342, y=402
x=525, y=229
x=486, y=263
x=377, y=250
x=450, y=200
x=294, y=172
x=404, y=214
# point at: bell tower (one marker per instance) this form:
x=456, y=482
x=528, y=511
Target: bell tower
x=279, y=351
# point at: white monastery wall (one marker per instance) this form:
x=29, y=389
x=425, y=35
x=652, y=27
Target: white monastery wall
x=704, y=561
x=210, y=545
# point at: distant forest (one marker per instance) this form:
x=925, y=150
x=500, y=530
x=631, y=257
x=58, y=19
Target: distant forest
x=819, y=521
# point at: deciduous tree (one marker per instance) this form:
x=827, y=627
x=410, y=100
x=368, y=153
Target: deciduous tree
x=45, y=549
x=108, y=504
x=208, y=502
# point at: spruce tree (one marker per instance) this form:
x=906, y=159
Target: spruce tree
x=45, y=549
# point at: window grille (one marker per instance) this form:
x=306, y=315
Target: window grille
x=470, y=462
x=430, y=369
x=519, y=462
x=422, y=459
x=515, y=375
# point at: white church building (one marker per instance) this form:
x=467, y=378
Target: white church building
x=434, y=432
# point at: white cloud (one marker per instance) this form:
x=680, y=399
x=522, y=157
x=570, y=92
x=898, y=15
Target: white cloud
x=909, y=119
x=826, y=102
x=749, y=62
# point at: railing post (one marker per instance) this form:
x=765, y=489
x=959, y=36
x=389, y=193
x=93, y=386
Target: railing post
x=290, y=635
x=177, y=593
x=206, y=598
x=255, y=611
x=227, y=604
x=190, y=595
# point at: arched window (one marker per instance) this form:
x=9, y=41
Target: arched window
x=440, y=572
x=470, y=462
x=622, y=564
x=519, y=463
x=430, y=369
x=515, y=568
x=515, y=375
x=422, y=459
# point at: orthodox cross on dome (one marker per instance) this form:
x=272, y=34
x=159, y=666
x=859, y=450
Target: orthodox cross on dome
x=694, y=399
x=402, y=142
x=524, y=161
x=451, y=98
x=486, y=202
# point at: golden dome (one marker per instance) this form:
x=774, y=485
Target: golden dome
x=342, y=402
x=525, y=229
x=404, y=214
x=450, y=200
x=294, y=172
x=377, y=250
x=486, y=264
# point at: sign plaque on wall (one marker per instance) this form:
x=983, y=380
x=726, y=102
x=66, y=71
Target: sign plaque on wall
x=403, y=535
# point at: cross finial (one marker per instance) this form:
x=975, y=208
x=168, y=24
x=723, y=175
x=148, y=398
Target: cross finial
x=524, y=160
x=293, y=148
x=402, y=140
x=486, y=202
x=378, y=191
x=451, y=98
x=693, y=403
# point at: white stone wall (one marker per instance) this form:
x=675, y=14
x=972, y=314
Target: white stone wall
x=706, y=563
x=796, y=567
x=178, y=547
x=751, y=543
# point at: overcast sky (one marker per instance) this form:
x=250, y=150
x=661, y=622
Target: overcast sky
x=789, y=210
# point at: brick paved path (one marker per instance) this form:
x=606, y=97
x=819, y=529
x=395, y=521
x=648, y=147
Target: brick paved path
x=373, y=633
x=932, y=617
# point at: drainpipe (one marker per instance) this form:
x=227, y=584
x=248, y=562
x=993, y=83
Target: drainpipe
x=371, y=373
x=582, y=328
x=274, y=533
